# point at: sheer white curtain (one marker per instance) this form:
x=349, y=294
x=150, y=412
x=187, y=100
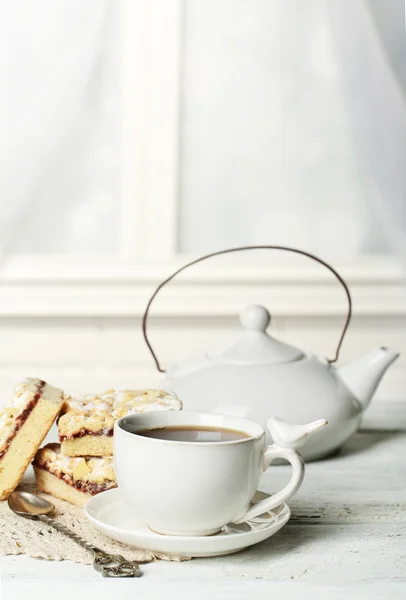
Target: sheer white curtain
x=377, y=108
x=269, y=148
x=57, y=116
x=291, y=112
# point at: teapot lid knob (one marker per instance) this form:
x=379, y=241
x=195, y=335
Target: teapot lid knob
x=255, y=317
x=255, y=346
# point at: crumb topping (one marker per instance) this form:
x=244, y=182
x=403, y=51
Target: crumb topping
x=87, y=470
x=96, y=414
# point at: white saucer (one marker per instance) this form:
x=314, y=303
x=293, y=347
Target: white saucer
x=110, y=515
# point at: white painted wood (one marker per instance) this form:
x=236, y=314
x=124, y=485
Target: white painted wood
x=133, y=127
x=74, y=287
x=345, y=539
x=200, y=588
x=119, y=342
x=79, y=326
x=149, y=140
x=363, y=269
x=206, y=300
x=84, y=354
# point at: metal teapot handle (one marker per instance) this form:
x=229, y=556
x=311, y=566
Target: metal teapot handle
x=239, y=249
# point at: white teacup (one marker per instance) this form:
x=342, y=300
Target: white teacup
x=195, y=488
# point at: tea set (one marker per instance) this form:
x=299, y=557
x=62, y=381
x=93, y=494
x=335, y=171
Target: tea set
x=209, y=488
x=201, y=499
x=256, y=375
x=110, y=514
x=188, y=479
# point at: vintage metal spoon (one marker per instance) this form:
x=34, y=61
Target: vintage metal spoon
x=32, y=506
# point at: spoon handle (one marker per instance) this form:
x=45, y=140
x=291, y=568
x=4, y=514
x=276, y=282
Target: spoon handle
x=109, y=565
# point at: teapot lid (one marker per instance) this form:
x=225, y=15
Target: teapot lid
x=255, y=346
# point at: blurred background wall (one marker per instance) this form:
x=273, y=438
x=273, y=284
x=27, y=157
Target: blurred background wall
x=138, y=134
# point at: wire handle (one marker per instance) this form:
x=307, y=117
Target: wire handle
x=239, y=249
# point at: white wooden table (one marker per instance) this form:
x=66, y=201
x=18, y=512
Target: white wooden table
x=346, y=538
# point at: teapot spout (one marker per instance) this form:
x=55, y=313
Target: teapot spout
x=362, y=376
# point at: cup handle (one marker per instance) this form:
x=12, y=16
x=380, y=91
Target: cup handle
x=287, y=438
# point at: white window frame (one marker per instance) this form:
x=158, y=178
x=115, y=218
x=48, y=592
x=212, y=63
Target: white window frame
x=65, y=286
x=151, y=44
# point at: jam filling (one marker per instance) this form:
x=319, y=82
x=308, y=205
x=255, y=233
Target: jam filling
x=88, y=487
x=22, y=417
x=84, y=431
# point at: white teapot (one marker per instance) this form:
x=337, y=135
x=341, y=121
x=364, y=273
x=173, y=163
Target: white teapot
x=256, y=375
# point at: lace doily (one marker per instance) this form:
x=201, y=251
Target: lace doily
x=36, y=539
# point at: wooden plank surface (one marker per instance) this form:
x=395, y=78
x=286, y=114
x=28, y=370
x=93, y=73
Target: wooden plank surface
x=347, y=537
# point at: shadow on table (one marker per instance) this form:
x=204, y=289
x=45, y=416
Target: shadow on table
x=291, y=540
x=364, y=440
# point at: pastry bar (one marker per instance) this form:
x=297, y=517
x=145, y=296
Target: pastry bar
x=72, y=479
x=86, y=427
x=24, y=423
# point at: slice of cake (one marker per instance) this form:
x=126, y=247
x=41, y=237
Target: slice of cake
x=24, y=423
x=86, y=427
x=72, y=479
